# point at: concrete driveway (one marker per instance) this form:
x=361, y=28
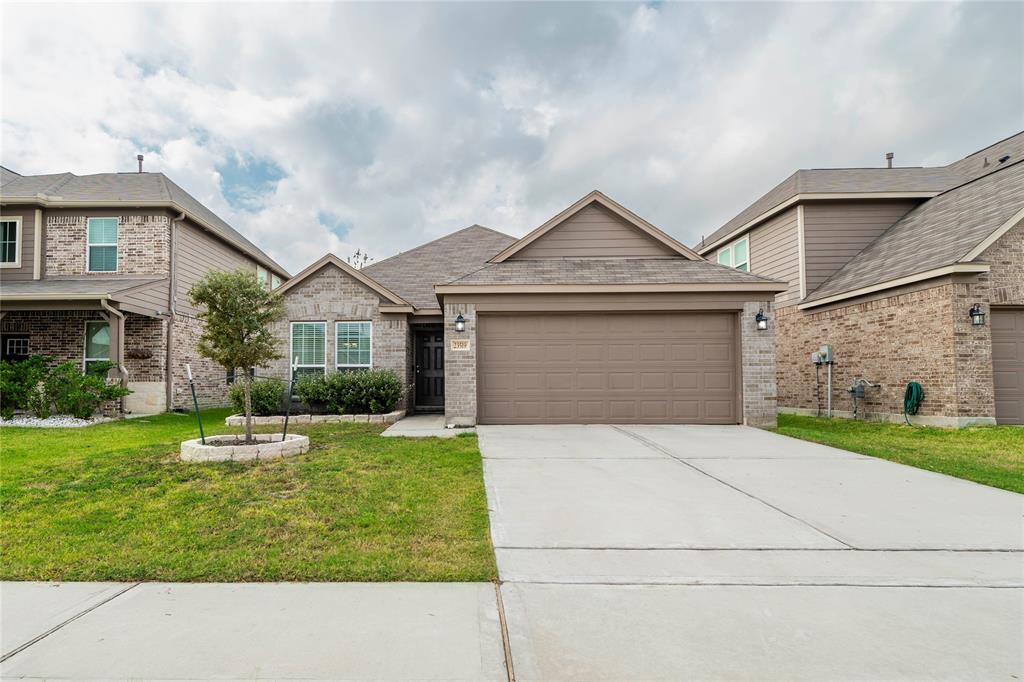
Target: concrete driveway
x=682, y=552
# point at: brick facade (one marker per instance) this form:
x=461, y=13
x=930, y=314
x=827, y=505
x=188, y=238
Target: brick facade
x=330, y=296
x=758, y=361
x=143, y=245
x=460, y=367
x=924, y=335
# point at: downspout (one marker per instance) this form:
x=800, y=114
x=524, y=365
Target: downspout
x=120, y=347
x=172, y=307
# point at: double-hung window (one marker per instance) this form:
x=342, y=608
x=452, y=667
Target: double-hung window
x=736, y=255
x=97, y=344
x=308, y=349
x=10, y=242
x=354, y=345
x=102, y=245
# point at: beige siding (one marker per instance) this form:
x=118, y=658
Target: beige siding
x=147, y=300
x=28, y=251
x=196, y=252
x=775, y=253
x=596, y=232
x=835, y=232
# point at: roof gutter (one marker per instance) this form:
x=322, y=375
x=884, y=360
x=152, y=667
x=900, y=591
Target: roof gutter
x=808, y=196
x=956, y=268
x=692, y=287
x=60, y=203
x=54, y=297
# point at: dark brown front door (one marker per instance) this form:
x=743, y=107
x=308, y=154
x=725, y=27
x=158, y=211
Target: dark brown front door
x=430, y=368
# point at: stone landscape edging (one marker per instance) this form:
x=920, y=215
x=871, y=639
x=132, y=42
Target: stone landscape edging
x=278, y=419
x=267, y=446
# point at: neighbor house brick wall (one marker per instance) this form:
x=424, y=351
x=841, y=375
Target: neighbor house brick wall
x=142, y=245
x=922, y=336
x=1006, y=279
x=331, y=296
x=460, y=366
x=758, y=362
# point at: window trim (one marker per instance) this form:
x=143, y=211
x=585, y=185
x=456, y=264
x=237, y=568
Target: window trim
x=263, y=276
x=116, y=245
x=338, y=365
x=85, y=345
x=275, y=282
x=730, y=247
x=18, y=239
x=291, y=348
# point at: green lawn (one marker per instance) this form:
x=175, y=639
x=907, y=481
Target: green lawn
x=993, y=455
x=113, y=502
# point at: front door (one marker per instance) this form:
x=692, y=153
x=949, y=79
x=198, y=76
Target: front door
x=430, y=369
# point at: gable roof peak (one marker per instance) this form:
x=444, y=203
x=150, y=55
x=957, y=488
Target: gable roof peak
x=596, y=196
x=358, y=275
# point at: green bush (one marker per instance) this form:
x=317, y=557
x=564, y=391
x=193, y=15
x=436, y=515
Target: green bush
x=65, y=390
x=372, y=391
x=19, y=382
x=267, y=396
x=311, y=389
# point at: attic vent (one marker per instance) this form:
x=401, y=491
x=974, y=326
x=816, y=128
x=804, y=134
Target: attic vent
x=1004, y=159
x=888, y=158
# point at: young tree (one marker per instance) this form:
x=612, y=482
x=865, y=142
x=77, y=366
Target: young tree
x=238, y=312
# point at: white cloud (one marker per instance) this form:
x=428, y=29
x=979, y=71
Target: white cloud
x=391, y=124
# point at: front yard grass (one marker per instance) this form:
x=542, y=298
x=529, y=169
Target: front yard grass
x=113, y=502
x=992, y=455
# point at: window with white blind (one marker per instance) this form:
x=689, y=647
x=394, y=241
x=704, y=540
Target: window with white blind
x=354, y=345
x=102, y=245
x=308, y=354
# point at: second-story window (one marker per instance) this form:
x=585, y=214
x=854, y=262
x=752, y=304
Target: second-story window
x=102, y=246
x=261, y=276
x=275, y=282
x=736, y=255
x=10, y=242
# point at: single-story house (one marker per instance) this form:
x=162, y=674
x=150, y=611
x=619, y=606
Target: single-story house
x=596, y=316
x=909, y=274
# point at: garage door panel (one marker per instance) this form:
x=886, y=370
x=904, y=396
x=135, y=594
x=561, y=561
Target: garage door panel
x=598, y=367
x=1008, y=364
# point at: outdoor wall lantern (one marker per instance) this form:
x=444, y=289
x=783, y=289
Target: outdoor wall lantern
x=460, y=323
x=762, y=320
x=977, y=315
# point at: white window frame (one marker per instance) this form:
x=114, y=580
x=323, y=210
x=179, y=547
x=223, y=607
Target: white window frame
x=730, y=249
x=16, y=263
x=7, y=350
x=275, y=282
x=291, y=348
x=337, y=326
x=89, y=244
x=85, y=345
x=262, y=276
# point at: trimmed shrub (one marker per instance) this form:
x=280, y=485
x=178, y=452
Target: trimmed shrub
x=372, y=391
x=65, y=390
x=311, y=390
x=19, y=382
x=267, y=396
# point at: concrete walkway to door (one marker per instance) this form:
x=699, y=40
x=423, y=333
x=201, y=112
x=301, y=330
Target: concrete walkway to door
x=674, y=552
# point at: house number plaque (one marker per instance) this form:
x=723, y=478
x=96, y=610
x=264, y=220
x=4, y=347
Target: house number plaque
x=459, y=344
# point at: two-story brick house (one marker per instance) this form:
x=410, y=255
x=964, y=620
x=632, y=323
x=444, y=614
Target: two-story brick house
x=886, y=266
x=98, y=267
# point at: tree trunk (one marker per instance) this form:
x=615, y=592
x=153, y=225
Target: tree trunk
x=247, y=391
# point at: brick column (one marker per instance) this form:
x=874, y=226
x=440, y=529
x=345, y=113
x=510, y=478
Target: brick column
x=758, y=360
x=460, y=367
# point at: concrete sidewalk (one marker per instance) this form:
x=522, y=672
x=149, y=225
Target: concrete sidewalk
x=395, y=631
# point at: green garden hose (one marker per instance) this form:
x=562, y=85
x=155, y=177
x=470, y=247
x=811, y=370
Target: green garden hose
x=912, y=400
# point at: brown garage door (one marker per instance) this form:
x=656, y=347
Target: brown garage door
x=607, y=368
x=1008, y=364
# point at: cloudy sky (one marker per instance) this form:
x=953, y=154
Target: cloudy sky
x=330, y=127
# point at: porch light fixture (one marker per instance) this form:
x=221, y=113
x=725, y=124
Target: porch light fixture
x=977, y=315
x=460, y=323
x=762, y=320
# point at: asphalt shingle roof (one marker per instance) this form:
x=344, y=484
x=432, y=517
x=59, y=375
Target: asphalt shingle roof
x=872, y=180
x=412, y=274
x=939, y=232
x=57, y=288
x=609, y=271
x=125, y=187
